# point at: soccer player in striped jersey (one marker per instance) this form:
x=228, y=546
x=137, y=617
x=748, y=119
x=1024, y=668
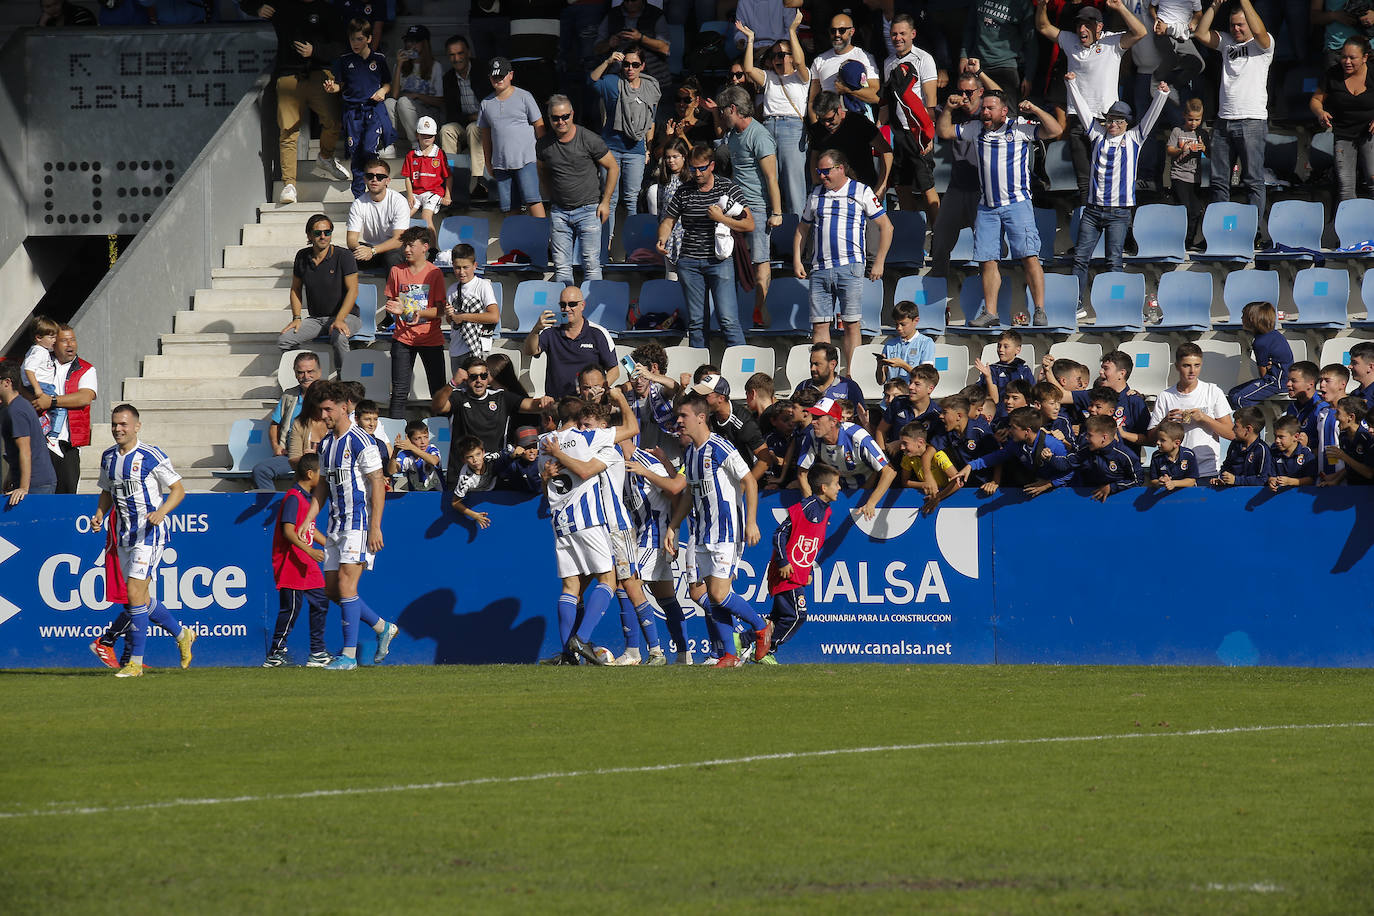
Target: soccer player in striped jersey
x=718, y=477
x=1111, y=194
x=132, y=476
x=1004, y=153
x=650, y=489
x=351, y=478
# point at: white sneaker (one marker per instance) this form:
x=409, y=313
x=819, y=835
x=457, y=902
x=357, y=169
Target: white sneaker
x=626, y=659
x=342, y=169
x=288, y=194
x=328, y=169
x=387, y=152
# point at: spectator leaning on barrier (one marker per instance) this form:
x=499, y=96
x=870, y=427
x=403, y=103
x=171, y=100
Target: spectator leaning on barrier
x=465, y=85
x=307, y=370
x=571, y=160
x=572, y=344
x=377, y=219
x=509, y=124
x=76, y=391
x=324, y=289
x=310, y=35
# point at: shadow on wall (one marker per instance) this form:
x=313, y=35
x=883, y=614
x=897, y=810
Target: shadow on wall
x=488, y=636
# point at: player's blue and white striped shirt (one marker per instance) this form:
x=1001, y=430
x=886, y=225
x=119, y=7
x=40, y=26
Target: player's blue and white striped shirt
x=610, y=482
x=135, y=480
x=1115, y=159
x=649, y=506
x=345, y=461
x=855, y=455
x=420, y=474
x=575, y=502
x=840, y=219
x=1004, y=159
x=714, y=473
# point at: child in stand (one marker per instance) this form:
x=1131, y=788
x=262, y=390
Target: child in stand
x=296, y=568
x=909, y=348
x=1105, y=463
x=778, y=424
x=915, y=445
x=1046, y=398
x=911, y=406
x=1186, y=148
x=417, y=459
x=1018, y=394
x=1044, y=458
x=478, y=474
x=1273, y=356
x=40, y=370
x=1009, y=365
x=361, y=76
x=1248, y=462
x=796, y=544
x=368, y=414
x=966, y=437
x=428, y=181
x=1356, y=450
x=471, y=308
x=1294, y=465
x=1172, y=465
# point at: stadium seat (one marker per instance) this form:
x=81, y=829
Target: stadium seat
x=247, y=446
x=529, y=234
x=638, y=231
x=1321, y=296
x=797, y=368
x=873, y=307
x=1185, y=298
x=1153, y=360
x=743, y=360
x=1337, y=350
x=989, y=354
x=971, y=302
x=1099, y=252
x=1223, y=363
x=1354, y=225
x=1229, y=231
x=286, y=365
x=536, y=370
x=962, y=253
x=420, y=383
x=685, y=359
x=388, y=428
x=608, y=303
x=1089, y=354
x=780, y=240
x=1367, y=297
x=788, y=305
x=864, y=368
x=660, y=295
x=366, y=309
x=908, y=239
x=1294, y=224
x=1047, y=226
x=1159, y=234
x=930, y=295
x=373, y=369
x=953, y=365
x=533, y=297
x=1321, y=152
x=1118, y=301
x=1061, y=305
x=466, y=230
x=1246, y=286
x=1059, y=167
x=1299, y=347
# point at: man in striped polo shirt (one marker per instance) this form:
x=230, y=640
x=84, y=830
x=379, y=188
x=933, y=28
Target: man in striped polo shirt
x=1004, y=152
x=837, y=212
x=1112, y=170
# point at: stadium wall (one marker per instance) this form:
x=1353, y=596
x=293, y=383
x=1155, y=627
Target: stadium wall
x=1232, y=577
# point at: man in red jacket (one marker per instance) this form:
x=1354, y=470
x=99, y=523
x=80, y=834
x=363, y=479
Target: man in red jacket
x=76, y=384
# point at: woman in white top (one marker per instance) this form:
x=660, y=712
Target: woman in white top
x=783, y=110
x=417, y=90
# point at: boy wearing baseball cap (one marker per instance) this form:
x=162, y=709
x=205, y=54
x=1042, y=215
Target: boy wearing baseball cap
x=428, y=180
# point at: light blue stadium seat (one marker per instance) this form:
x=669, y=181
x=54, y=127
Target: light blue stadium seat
x=873, y=306
x=247, y=446
x=372, y=368
x=789, y=307
x=1246, y=286
x=1354, y=224
x=660, y=295
x=971, y=302
x=1229, y=231
x=608, y=303
x=638, y=231
x=1061, y=305
x=1321, y=294
x=1159, y=234
x=531, y=298
x=466, y=230
x=439, y=435
x=1185, y=298
x=931, y=295
x=1295, y=224
x=529, y=234
x=908, y=239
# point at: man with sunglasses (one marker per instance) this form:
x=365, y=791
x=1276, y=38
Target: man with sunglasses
x=476, y=407
x=826, y=67
x=328, y=277
x=852, y=134
x=572, y=344
x=377, y=219
x=570, y=164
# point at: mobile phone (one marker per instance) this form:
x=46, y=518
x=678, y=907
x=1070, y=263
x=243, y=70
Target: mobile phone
x=562, y=318
x=627, y=365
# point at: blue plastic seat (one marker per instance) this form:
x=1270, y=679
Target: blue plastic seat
x=1099, y=252
x=780, y=240
x=372, y=368
x=528, y=233
x=1246, y=286
x=1354, y=224
x=908, y=239
x=1367, y=297
x=1321, y=294
x=962, y=253
x=608, y=303
x=247, y=446
x=1229, y=231
x=971, y=302
x=931, y=295
x=1061, y=305
x=440, y=432
x=1295, y=224
x=873, y=306
x=1118, y=301
x=660, y=295
x=1047, y=225
x=1185, y=298
x=531, y=298
x=466, y=230
x=1159, y=234
x=789, y=307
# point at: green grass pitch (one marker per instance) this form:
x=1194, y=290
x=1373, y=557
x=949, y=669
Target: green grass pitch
x=532, y=790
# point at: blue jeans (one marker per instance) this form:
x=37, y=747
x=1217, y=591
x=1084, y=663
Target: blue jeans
x=266, y=472
x=1115, y=221
x=1246, y=137
x=792, y=148
x=562, y=224
x=627, y=191
x=696, y=274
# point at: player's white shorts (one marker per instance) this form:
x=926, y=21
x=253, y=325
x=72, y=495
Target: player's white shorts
x=139, y=561
x=655, y=564
x=427, y=200
x=624, y=553
x=583, y=553
x=346, y=547
x=717, y=561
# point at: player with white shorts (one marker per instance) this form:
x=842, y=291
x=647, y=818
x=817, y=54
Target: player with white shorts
x=649, y=493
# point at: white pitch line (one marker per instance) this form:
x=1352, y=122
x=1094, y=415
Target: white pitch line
x=663, y=767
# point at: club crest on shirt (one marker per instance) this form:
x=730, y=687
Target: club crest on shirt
x=1301, y=459
x=1183, y=465
x=491, y=405
x=1111, y=465
x=970, y=445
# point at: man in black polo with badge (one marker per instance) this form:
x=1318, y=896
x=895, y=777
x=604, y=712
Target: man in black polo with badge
x=572, y=344
x=734, y=426
x=475, y=408
x=324, y=289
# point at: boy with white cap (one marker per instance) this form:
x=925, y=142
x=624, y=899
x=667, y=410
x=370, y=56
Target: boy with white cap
x=426, y=173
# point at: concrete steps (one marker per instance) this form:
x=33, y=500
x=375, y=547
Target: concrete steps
x=330, y=192
x=252, y=321
x=230, y=300
x=257, y=387
x=296, y=214
x=273, y=256
x=210, y=366
x=249, y=278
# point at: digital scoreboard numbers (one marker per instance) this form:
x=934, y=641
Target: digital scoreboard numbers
x=112, y=126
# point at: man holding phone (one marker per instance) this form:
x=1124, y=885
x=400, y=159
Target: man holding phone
x=572, y=343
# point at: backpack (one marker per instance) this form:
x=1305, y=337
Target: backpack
x=905, y=88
